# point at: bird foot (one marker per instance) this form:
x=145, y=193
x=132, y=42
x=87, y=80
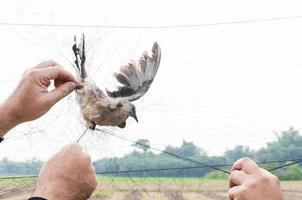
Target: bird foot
x=122, y=125
x=92, y=126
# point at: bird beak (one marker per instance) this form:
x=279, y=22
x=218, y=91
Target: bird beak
x=134, y=116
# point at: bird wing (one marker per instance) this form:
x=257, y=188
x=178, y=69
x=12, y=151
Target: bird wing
x=136, y=78
x=80, y=57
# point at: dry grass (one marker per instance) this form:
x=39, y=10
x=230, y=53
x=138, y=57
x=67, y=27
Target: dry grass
x=162, y=189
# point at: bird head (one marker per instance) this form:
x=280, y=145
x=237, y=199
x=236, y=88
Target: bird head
x=133, y=113
x=130, y=109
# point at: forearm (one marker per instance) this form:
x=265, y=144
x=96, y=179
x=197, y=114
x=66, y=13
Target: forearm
x=7, y=119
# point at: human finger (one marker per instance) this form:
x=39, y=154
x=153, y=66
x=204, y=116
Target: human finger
x=237, y=178
x=73, y=146
x=58, y=82
x=57, y=73
x=234, y=193
x=247, y=165
x=59, y=93
x=47, y=63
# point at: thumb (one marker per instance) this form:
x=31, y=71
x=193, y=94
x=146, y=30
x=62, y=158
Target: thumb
x=60, y=92
x=233, y=192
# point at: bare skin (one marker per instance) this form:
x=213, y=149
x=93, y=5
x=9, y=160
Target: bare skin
x=250, y=182
x=31, y=99
x=69, y=174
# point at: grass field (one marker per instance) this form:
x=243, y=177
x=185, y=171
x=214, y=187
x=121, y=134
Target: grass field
x=148, y=188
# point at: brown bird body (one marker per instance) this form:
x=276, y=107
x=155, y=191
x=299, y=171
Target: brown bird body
x=113, y=108
x=100, y=109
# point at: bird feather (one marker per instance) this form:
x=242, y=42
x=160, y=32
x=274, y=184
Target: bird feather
x=137, y=77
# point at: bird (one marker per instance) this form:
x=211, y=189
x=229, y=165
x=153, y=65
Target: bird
x=112, y=108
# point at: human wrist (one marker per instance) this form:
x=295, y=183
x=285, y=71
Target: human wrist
x=50, y=190
x=37, y=198
x=7, y=118
x=44, y=193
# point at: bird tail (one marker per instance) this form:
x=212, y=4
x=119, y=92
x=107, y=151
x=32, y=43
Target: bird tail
x=80, y=57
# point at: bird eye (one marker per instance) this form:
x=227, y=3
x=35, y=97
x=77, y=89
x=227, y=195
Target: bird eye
x=119, y=104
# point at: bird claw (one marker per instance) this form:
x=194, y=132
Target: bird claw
x=92, y=125
x=122, y=125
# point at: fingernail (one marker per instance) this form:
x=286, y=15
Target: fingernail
x=72, y=86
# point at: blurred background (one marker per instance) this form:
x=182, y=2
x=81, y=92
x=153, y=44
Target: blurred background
x=230, y=76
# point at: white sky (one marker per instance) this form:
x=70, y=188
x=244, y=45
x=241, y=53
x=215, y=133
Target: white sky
x=218, y=86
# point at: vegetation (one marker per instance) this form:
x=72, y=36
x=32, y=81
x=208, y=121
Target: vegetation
x=287, y=146
x=8, y=167
x=151, y=188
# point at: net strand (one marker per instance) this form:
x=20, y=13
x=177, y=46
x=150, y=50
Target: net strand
x=165, y=152
x=292, y=162
x=152, y=27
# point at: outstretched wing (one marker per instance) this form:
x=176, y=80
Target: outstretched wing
x=136, y=78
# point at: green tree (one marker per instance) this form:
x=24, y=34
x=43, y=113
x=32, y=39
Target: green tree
x=143, y=144
x=187, y=149
x=287, y=146
x=237, y=153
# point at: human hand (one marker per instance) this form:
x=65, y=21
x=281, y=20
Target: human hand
x=68, y=175
x=250, y=182
x=31, y=99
